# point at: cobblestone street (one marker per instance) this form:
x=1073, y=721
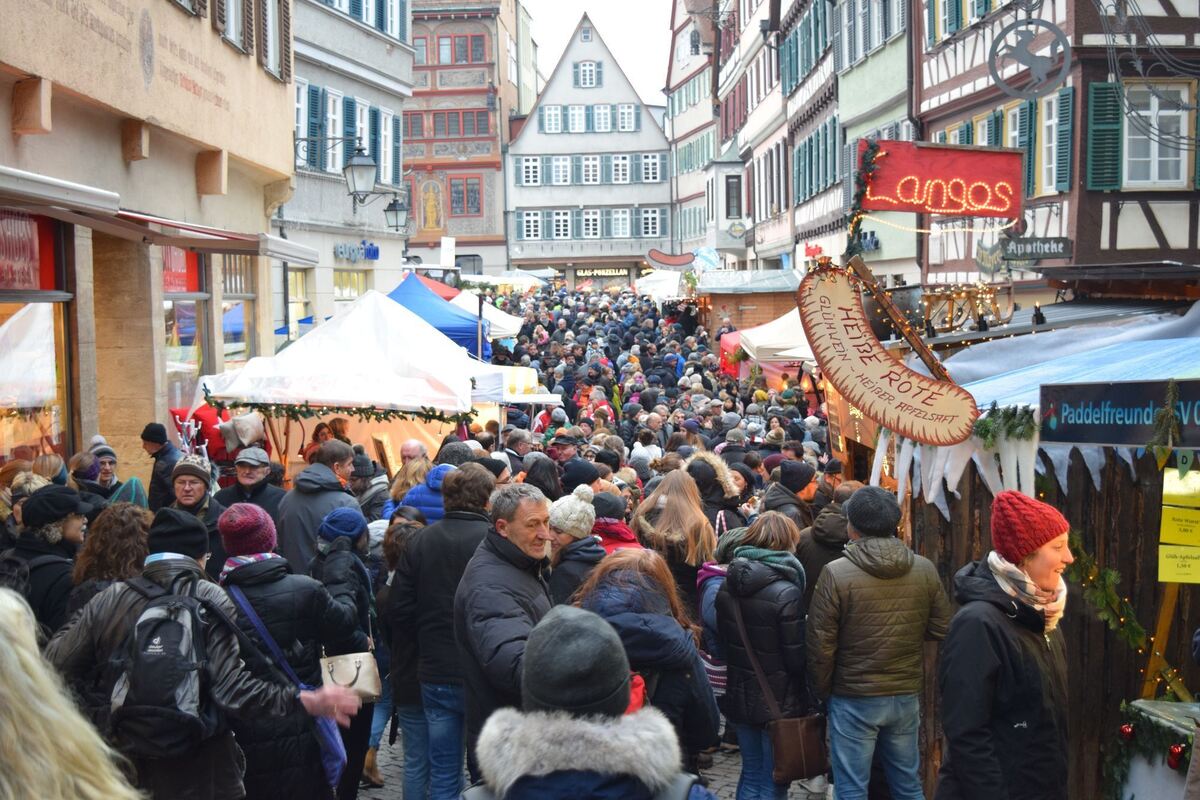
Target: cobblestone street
x=722, y=776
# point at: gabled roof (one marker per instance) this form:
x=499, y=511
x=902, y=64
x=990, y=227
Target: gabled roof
x=562, y=59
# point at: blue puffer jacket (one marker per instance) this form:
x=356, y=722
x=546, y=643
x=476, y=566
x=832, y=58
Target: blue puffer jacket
x=427, y=496
x=664, y=653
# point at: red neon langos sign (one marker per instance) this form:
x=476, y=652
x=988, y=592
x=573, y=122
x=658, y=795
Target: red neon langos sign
x=950, y=181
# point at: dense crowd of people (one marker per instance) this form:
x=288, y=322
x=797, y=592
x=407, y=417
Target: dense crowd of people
x=584, y=602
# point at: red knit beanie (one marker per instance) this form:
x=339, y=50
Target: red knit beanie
x=1020, y=525
x=246, y=529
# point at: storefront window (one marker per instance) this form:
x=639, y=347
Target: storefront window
x=185, y=316
x=299, y=308
x=34, y=413
x=349, y=284
x=237, y=310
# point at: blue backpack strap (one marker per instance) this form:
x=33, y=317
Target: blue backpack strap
x=248, y=610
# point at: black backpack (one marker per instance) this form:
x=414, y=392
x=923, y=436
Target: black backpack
x=159, y=701
x=16, y=571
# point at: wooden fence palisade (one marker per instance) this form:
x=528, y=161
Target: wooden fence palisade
x=1119, y=525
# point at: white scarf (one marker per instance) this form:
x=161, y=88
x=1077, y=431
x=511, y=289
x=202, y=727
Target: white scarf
x=1016, y=583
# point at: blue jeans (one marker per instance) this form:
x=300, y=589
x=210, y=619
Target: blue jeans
x=755, y=782
x=383, y=712
x=857, y=725
x=415, y=733
x=445, y=715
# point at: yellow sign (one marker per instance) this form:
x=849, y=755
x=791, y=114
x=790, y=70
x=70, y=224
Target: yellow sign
x=1178, y=564
x=1183, y=491
x=1180, y=526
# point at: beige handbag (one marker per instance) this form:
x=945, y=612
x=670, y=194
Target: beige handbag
x=357, y=672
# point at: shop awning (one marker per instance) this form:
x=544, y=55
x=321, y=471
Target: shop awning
x=100, y=210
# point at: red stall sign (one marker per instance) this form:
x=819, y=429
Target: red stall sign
x=950, y=181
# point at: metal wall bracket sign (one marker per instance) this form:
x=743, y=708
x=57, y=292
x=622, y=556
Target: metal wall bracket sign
x=1015, y=45
x=1035, y=249
x=1116, y=414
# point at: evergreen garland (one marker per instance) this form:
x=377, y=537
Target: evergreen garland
x=1140, y=736
x=1010, y=422
x=301, y=411
x=862, y=179
x=987, y=427
x=1166, y=421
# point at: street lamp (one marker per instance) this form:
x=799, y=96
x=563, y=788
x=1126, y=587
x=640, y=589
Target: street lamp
x=396, y=213
x=360, y=171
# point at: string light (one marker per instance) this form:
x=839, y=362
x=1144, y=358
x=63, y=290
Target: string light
x=924, y=196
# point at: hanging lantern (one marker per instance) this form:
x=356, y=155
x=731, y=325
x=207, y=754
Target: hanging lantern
x=1175, y=756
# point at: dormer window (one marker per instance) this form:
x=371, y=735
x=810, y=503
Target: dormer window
x=585, y=35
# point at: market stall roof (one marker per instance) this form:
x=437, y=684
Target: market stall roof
x=437, y=287
x=363, y=358
x=781, y=339
x=1139, y=271
x=502, y=324
x=660, y=285
x=1139, y=360
x=513, y=277
x=1062, y=315
x=732, y=281
x=458, y=325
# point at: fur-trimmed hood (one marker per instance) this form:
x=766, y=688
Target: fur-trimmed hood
x=724, y=476
x=516, y=744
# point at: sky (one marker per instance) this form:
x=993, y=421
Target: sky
x=636, y=31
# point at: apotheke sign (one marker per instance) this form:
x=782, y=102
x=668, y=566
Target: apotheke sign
x=363, y=251
x=1035, y=249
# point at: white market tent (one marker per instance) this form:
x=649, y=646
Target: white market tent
x=517, y=278
x=375, y=354
x=778, y=340
x=660, y=285
x=503, y=324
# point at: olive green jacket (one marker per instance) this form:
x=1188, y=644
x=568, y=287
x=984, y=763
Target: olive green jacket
x=871, y=612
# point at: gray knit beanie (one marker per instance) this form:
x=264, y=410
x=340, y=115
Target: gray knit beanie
x=575, y=662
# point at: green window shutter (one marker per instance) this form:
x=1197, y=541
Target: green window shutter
x=1104, y=135
x=966, y=133
x=822, y=172
x=547, y=175
x=635, y=224
x=349, y=128
x=1064, y=130
x=589, y=123
x=1027, y=141
x=575, y=75
x=955, y=15
x=316, y=124
x=373, y=134
x=995, y=120
x=547, y=224
x=599, y=74
x=519, y=225
x=606, y=223
x=356, y=9
x=397, y=169
x=635, y=168
x=931, y=22
x=941, y=137
x=796, y=174
x=577, y=223
x=805, y=183
x=516, y=162
x=606, y=169
x=664, y=222
x=637, y=117
x=662, y=167
x=541, y=119
x=577, y=169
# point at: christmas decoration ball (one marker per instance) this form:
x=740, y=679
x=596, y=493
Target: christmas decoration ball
x=1127, y=732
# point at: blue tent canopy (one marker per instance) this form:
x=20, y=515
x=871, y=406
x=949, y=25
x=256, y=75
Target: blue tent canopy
x=458, y=325
x=1153, y=360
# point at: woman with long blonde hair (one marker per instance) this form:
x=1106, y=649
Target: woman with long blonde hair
x=671, y=522
x=411, y=474
x=48, y=749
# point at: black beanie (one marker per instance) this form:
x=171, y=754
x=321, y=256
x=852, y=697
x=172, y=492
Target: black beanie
x=608, y=505
x=155, y=433
x=177, y=531
x=795, y=475
x=575, y=662
x=578, y=472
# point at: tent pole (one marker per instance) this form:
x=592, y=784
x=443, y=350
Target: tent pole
x=479, y=330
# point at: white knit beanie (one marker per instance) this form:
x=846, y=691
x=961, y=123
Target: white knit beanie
x=573, y=513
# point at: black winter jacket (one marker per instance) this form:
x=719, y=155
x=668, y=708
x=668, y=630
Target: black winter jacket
x=283, y=759
x=575, y=564
x=345, y=577
x=501, y=597
x=209, y=512
x=820, y=545
x=81, y=652
x=49, y=578
x=778, y=498
x=1004, y=697
x=421, y=597
x=262, y=494
x=773, y=609
x=665, y=655
x=161, y=492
